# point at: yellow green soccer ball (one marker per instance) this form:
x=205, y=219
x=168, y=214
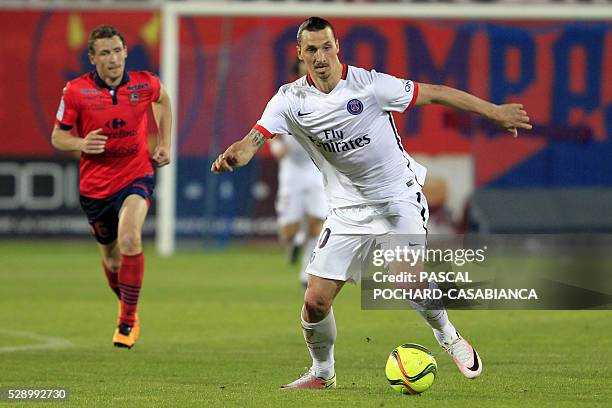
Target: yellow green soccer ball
x=411, y=369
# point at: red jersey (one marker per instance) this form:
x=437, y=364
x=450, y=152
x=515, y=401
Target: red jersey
x=89, y=104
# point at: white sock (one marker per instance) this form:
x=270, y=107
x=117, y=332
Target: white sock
x=443, y=329
x=299, y=238
x=309, y=246
x=435, y=315
x=320, y=338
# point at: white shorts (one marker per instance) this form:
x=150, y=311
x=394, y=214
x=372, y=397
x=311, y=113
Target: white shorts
x=349, y=234
x=295, y=206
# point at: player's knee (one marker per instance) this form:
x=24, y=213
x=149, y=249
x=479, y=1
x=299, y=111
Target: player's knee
x=315, y=229
x=130, y=243
x=315, y=226
x=316, y=307
x=285, y=237
x=288, y=232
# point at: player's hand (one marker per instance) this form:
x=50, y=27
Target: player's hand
x=161, y=156
x=512, y=116
x=225, y=162
x=94, y=142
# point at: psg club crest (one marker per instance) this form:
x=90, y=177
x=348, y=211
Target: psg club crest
x=354, y=106
x=134, y=98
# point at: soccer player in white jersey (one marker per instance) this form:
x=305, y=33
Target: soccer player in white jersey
x=342, y=116
x=300, y=201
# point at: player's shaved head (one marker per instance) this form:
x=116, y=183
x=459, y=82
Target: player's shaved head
x=314, y=24
x=103, y=31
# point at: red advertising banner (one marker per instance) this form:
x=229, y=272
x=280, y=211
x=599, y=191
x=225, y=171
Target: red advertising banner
x=40, y=52
x=230, y=67
x=558, y=70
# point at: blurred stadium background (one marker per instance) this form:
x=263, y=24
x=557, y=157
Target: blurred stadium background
x=229, y=58
x=553, y=56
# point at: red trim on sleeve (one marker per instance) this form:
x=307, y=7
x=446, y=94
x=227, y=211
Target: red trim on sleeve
x=415, y=94
x=263, y=130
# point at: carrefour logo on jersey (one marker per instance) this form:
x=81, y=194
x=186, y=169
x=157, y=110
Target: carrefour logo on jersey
x=333, y=141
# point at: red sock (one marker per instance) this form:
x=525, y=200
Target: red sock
x=130, y=280
x=113, y=279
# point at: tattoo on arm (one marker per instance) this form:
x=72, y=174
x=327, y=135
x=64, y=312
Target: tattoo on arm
x=256, y=137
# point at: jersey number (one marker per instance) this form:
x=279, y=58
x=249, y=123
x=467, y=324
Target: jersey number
x=324, y=237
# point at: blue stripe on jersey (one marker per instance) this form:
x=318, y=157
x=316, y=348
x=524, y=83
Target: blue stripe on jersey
x=399, y=144
x=397, y=137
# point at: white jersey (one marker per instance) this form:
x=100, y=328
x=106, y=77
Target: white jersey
x=350, y=134
x=296, y=171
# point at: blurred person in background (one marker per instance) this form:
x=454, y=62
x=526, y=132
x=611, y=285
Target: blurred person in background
x=440, y=220
x=300, y=201
x=107, y=110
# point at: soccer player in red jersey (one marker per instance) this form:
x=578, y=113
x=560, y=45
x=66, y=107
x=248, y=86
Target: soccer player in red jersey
x=108, y=107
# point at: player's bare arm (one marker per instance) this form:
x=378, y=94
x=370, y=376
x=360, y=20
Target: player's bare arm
x=162, y=111
x=509, y=116
x=93, y=143
x=239, y=153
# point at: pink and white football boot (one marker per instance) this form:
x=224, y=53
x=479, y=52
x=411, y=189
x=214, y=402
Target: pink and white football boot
x=310, y=381
x=465, y=356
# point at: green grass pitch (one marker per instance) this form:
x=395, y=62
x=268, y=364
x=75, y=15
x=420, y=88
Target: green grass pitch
x=220, y=328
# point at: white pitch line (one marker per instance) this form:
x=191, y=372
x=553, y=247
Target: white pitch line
x=48, y=342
